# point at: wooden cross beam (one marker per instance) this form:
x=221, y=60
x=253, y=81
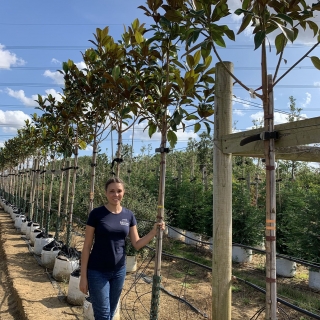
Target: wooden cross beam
x=291, y=145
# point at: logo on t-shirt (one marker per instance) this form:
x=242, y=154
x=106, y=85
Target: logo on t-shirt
x=124, y=222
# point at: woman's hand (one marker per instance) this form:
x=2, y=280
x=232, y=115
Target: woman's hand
x=158, y=225
x=83, y=285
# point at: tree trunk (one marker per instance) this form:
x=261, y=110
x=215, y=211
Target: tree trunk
x=93, y=173
x=58, y=223
x=271, y=278
x=72, y=195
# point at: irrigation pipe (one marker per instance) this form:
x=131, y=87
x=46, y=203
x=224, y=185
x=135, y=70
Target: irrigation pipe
x=292, y=306
x=149, y=281
x=297, y=260
x=300, y=261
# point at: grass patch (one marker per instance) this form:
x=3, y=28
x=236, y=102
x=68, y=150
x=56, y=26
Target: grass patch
x=185, y=285
x=178, y=275
x=302, y=275
x=182, y=250
x=235, y=289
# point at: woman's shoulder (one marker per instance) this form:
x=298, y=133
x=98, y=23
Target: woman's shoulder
x=98, y=210
x=127, y=211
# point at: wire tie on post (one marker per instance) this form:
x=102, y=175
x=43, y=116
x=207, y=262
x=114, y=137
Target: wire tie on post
x=270, y=238
x=270, y=168
x=162, y=150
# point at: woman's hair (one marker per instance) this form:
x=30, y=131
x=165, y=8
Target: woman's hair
x=113, y=180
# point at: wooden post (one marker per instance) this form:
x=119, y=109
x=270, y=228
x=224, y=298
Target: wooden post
x=33, y=186
x=93, y=172
x=66, y=195
x=72, y=195
x=58, y=223
x=36, y=194
x=27, y=184
x=50, y=196
x=271, y=278
x=222, y=197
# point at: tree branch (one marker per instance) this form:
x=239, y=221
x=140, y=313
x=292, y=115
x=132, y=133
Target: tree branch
x=231, y=74
x=293, y=66
x=278, y=65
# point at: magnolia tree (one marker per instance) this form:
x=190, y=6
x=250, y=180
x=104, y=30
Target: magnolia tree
x=201, y=24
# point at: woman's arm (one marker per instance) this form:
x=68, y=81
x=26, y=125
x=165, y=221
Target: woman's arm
x=87, y=245
x=138, y=242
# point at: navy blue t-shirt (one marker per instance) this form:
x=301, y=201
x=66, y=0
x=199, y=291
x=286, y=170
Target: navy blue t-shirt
x=108, y=251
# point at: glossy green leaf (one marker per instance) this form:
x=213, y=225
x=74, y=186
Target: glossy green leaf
x=135, y=24
x=173, y=15
x=139, y=37
x=280, y=42
x=316, y=62
x=288, y=33
x=285, y=17
x=240, y=11
x=152, y=129
x=65, y=67
x=258, y=39
x=178, y=63
x=115, y=72
x=219, y=40
x=208, y=127
x=190, y=61
x=191, y=117
x=245, y=22
x=211, y=71
x=188, y=84
x=197, y=127
x=82, y=144
x=230, y=34
x=172, y=138
x=316, y=6
x=197, y=57
x=313, y=26
x=208, y=61
x=246, y=4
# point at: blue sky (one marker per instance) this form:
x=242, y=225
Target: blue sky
x=37, y=36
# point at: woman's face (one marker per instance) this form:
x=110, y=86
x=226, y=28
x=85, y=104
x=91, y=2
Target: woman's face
x=114, y=193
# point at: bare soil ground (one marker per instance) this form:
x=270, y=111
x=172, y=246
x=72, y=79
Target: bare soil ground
x=27, y=293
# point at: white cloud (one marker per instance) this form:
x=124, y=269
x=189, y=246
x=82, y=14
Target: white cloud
x=55, y=61
x=307, y=101
x=246, y=104
x=54, y=93
x=238, y=112
x=30, y=102
x=20, y=95
x=14, y=120
x=8, y=59
x=56, y=76
x=80, y=65
x=278, y=117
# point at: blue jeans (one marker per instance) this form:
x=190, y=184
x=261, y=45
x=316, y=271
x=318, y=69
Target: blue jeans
x=104, y=290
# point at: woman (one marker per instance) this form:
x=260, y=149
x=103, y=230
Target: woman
x=103, y=269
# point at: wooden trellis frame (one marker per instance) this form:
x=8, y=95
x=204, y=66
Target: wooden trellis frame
x=291, y=145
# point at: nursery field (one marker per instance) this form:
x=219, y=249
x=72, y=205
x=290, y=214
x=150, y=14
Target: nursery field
x=26, y=292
